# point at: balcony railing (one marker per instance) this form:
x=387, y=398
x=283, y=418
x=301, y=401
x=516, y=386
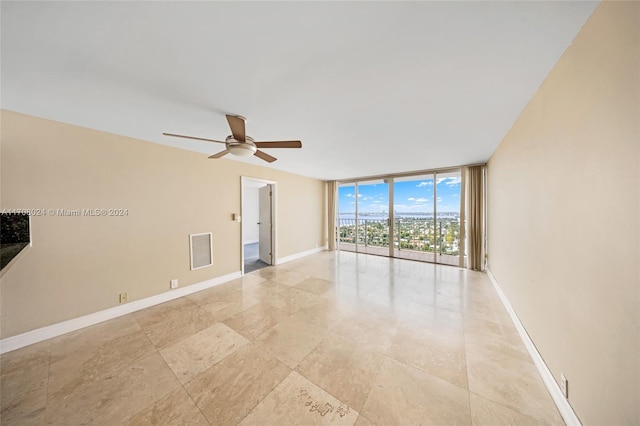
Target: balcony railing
x=409, y=234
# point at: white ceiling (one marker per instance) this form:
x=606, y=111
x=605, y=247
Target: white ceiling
x=369, y=87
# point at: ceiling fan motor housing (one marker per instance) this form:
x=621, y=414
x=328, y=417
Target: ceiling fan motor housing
x=240, y=148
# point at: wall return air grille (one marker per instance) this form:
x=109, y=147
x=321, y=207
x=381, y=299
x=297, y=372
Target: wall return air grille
x=201, y=250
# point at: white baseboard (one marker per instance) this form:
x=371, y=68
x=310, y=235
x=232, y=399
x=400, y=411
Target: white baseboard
x=566, y=411
x=25, y=339
x=286, y=259
x=38, y=335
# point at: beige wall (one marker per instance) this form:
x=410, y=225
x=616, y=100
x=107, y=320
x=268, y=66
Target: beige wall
x=79, y=265
x=563, y=209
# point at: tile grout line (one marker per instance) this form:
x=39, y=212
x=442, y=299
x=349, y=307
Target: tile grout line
x=46, y=400
x=298, y=364
x=182, y=385
x=326, y=391
x=270, y=390
x=163, y=360
x=501, y=337
x=375, y=380
x=505, y=406
x=466, y=365
x=191, y=397
x=197, y=375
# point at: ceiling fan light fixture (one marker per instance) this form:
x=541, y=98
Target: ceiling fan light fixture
x=242, y=149
x=240, y=144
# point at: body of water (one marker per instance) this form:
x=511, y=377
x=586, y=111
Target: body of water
x=383, y=216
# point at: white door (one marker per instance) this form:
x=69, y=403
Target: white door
x=264, y=224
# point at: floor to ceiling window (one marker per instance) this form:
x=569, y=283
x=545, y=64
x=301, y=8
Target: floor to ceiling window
x=363, y=217
x=413, y=209
x=373, y=217
x=346, y=226
x=447, y=223
x=414, y=217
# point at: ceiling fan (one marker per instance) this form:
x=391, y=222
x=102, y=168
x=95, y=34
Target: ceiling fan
x=242, y=145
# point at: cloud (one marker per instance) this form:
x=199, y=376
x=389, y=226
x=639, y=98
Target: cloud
x=449, y=181
x=438, y=199
x=359, y=195
x=424, y=183
x=453, y=181
x=421, y=200
x=411, y=199
x=348, y=195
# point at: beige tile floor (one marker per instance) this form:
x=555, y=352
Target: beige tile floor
x=334, y=338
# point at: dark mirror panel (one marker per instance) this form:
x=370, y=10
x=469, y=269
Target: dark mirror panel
x=14, y=235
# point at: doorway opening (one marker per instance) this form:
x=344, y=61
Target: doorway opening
x=258, y=224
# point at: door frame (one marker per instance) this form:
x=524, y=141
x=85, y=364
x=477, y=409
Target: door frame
x=274, y=222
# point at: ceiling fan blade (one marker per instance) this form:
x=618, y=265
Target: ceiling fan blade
x=279, y=144
x=220, y=154
x=266, y=157
x=237, y=127
x=192, y=137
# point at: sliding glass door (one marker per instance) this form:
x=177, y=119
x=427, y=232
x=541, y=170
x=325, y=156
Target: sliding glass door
x=413, y=211
x=447, y=211
x=414, y=217
x=363, y=217
x=346, y=226
x=373, y=217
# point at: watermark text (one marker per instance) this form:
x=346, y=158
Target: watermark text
x=99, y=212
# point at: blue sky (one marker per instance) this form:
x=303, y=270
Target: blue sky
x=415, y=196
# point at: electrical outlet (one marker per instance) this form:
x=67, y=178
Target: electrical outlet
x=124, y=297
x=174, y=283
x=564, y=385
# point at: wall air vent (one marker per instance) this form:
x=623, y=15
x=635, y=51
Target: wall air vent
x=201, y=250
